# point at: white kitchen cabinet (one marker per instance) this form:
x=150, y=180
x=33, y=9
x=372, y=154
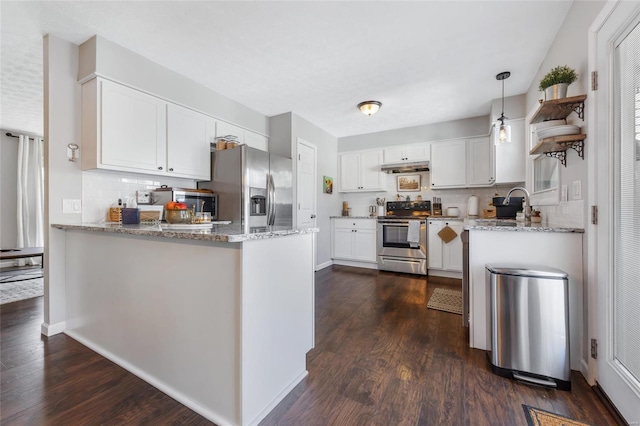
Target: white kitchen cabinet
x=407, y=153
x=444, y=256
x=354, y=239
x=188, y=142
x=448, y=164
x=480, y=162
x=256, y=140
x=124, y=129
x=510, y=158
x=360, y=171
x=247, y=137
x=434, y=255
x=462, y=163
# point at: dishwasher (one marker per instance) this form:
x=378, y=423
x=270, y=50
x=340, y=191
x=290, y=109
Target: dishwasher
x=528, y=324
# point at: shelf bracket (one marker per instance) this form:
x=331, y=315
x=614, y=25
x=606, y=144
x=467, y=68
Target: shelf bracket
x=577, y=107
x=577, y=146
x=560, y=155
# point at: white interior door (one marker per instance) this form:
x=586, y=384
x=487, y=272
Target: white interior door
x=306, y=185
x=617, y=168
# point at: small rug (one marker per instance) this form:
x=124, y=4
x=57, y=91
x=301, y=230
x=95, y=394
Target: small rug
x=537, y=417
x=20, y=290
x=446, y=300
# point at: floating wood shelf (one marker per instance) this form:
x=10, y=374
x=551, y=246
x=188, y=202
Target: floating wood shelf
x=557, y=147
x=559, y=109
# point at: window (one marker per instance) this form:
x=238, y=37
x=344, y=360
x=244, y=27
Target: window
x=545, y=174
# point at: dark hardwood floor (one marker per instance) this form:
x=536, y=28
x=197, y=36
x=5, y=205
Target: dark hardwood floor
x=381, y=358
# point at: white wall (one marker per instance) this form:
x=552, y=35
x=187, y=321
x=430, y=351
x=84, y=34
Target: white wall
x=474, y=126
x=8, y=189
x=570, y=47
x=63, y=179
x=107, y=59
x=285, y=131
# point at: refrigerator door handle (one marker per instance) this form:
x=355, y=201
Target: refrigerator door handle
x=271, y=215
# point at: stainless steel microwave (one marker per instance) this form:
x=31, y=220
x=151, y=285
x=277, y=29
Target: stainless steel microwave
x=202, y=200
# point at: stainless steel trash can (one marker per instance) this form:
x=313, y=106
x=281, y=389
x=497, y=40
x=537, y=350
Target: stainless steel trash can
x=528, y=324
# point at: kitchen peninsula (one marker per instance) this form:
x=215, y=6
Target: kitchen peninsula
x=218, y=319
x=533, y=244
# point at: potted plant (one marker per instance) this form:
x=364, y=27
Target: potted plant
x=555, y=83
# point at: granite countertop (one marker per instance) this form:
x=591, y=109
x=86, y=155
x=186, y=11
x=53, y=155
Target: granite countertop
x=512, y=225
x=221, y=233
x=353, y=217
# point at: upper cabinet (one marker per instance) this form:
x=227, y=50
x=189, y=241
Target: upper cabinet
x=448, y=164
x=248, y=137
x=360, y=171
x=188, y=136
x=480, y=162
x=462, y=163
x=511, y=157
x=407, y=153
x=126, y=130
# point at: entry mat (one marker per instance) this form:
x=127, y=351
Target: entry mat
x=537, y=417
x=446, y=300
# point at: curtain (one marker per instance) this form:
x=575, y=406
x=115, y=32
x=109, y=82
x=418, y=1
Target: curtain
x=30, y=202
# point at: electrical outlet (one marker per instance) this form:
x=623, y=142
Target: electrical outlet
x=143, y=197
x=564, y=193
x=577, y=190
x=71, y=206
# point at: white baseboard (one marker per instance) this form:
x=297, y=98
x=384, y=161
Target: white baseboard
x=163, y=387
x=7, y=263
x=277, y=399
x=324, y=265
x=52, y=329
x=355, y=264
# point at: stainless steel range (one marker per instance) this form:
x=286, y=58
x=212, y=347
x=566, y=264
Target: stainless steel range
x=402, y=237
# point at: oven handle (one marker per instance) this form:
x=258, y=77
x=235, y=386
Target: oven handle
x=388, y=259
x=395, y=222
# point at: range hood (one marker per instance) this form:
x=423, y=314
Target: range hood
x=417, y=166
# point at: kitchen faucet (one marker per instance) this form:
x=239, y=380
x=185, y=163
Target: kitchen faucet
x=527, y=206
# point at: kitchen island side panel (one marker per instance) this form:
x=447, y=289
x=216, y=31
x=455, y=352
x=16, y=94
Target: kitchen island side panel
x=551, y=249
x=168, y=310
x=278, y=320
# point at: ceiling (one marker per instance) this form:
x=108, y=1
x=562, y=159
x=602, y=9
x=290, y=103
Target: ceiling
x=426, y=61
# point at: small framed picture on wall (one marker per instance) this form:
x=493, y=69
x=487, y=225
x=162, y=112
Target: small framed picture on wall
x=409, y=183
x=327, y=185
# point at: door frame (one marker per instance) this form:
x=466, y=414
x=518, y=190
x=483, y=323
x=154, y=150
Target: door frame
x=600, y=185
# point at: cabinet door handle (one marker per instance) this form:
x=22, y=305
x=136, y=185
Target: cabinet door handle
x=159, y=167
x=171, y=169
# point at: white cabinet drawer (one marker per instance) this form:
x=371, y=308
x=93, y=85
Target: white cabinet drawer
x=355, y=223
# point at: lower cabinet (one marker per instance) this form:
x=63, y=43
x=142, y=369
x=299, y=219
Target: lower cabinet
x=354, y=239
x=444, y=256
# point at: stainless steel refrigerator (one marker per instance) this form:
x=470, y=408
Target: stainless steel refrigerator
x=254, y=188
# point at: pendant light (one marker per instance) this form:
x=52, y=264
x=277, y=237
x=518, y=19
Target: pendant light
x=504, y=132
x=369, y=107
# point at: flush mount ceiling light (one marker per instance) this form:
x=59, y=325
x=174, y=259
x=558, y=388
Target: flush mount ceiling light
x=369, y=107
x=504, y=132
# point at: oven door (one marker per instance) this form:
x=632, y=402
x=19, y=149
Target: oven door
x=392, y=239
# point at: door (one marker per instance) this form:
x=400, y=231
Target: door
x=435, y=244
x=189, y=134
x=306, y=185
x=452, y=251
x=617, y=180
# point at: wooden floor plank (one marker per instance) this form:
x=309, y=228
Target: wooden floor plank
x=381, y=358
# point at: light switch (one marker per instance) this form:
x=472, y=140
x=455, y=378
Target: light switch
x=564, y=193
x=577, y=190
x=71, y=206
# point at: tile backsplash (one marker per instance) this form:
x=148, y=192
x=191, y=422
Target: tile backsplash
x=360, y=202
x=102, y=189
